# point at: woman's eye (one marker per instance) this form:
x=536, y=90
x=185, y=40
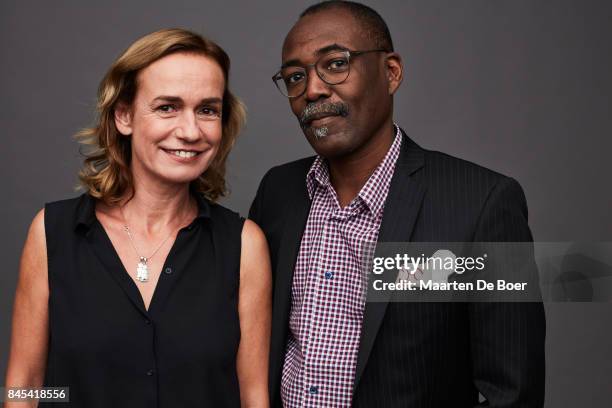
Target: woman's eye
x=209, y=111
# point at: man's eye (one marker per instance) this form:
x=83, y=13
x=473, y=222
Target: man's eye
x=337, y=65
x=166, y=108
x=294, y=78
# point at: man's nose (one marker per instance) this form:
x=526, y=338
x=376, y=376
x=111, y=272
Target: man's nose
x=316, y=88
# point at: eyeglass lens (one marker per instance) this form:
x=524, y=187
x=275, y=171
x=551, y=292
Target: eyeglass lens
x=332, y=68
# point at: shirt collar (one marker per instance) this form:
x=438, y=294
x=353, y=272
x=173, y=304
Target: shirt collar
x=374, y=192
x=203, y=206
x=86, y=210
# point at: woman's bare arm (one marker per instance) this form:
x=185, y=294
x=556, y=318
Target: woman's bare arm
x=254, y=308
x=30, y=332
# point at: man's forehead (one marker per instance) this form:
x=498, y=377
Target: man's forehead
x=313, y=33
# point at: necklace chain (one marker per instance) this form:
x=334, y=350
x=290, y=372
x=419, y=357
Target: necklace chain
x=142, y=269
x=146, y=258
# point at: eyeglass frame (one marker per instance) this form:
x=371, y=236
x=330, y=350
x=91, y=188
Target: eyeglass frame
x=348, y=54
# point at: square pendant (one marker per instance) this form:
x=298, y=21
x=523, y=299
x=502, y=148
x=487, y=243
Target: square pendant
x=142, y=271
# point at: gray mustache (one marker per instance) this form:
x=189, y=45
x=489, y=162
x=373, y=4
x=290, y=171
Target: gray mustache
x=312, y=109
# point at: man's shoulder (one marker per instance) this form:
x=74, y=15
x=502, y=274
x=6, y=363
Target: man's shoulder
x=443, y=167
x=289, y=172
x=277, y=192
x=467, y=185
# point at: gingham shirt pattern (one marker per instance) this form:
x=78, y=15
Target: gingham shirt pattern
x=327, y=294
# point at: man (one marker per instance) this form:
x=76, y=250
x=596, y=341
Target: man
x=369, y=182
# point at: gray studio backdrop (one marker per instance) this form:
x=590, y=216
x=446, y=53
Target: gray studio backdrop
x=522, y=87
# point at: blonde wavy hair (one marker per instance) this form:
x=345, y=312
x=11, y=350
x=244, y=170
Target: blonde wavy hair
x=106, y=171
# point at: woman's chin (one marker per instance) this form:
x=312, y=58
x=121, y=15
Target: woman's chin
x=177, y=179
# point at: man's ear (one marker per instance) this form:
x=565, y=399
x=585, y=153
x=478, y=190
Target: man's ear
x=395, y=71
x=123, y=119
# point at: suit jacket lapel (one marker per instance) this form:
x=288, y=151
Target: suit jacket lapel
x=401, y=210
x=288, y=250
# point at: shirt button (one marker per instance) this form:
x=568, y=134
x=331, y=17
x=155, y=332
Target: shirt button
x=329, y=275
x=168, y=271
x=313, y=390
x=150, y=372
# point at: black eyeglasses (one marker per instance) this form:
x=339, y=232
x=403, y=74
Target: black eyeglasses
x=333, y=69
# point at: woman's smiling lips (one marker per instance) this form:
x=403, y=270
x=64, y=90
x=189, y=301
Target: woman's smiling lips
x=183, y=156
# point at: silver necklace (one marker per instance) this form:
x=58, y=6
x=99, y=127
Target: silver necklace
x=142, y=269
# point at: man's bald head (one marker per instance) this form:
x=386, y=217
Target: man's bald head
x=373, y=25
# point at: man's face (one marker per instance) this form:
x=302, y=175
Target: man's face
x=342, y=118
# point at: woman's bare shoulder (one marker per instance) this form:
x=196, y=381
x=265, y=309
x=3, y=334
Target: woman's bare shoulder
x=34, y=256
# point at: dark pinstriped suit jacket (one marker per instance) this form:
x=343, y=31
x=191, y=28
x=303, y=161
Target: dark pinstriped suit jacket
x=421, y=354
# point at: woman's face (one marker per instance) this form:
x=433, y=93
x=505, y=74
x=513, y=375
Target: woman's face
x=175, y=119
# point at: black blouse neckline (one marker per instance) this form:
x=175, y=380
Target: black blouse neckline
x=86, y=210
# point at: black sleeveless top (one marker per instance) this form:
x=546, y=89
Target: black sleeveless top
x=112, y=352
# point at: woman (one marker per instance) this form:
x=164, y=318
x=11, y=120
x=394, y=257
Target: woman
x=143, y=292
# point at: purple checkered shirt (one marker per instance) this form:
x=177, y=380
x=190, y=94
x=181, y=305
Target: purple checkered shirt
x=327, y=299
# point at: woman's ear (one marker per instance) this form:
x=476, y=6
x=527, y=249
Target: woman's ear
x=123, y=119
